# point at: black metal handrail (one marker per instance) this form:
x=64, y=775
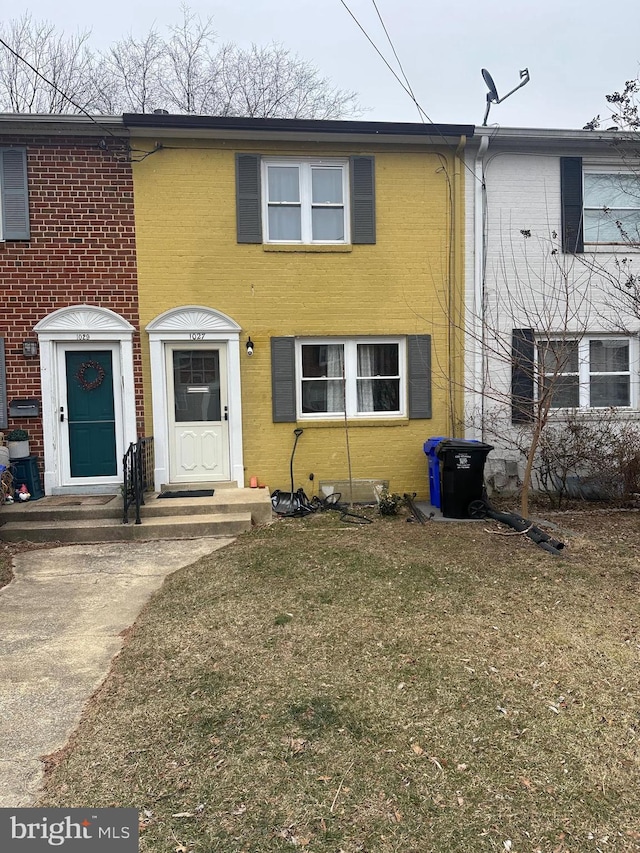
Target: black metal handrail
x=138, y=475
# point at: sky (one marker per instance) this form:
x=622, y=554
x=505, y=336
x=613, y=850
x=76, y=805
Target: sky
x=576, y=50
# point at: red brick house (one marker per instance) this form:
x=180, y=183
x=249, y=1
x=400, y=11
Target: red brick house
x=70, y=365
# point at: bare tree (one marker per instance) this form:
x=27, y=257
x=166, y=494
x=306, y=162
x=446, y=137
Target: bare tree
x=536, y=309
x=271, y=81
x=66, y=62
x=128, y=75
x=186, y=72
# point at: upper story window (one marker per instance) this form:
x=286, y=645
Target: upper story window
x=305, y=201
x=587, y=373
x=14, y=203
x=611, y=206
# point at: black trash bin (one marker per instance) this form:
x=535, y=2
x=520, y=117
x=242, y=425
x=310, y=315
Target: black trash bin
x=461, y=475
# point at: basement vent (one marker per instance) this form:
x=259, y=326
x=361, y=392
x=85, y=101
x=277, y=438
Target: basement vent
x=357, y=492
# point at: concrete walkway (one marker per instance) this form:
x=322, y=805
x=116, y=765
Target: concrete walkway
x=61, y=621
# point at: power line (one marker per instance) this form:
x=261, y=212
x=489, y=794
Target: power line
x=57, y=89
x=407, y=87
x=384, y=59
x=406, y=79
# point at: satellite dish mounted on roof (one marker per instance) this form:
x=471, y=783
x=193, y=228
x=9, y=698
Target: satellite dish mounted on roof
x=492, y=94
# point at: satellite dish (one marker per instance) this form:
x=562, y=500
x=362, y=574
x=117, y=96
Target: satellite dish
x=492, y=94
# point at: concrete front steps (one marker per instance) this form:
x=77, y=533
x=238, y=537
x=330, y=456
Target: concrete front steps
x=77, y=519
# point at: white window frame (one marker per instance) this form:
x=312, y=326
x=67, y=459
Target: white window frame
x=584, y=372
x=351, y=376
x=594, y=169
x=305, y=165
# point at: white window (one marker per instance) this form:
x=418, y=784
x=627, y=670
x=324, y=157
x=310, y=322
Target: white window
x=305, y=201
x=365, y=378
x=586, y=373
x=611, y=207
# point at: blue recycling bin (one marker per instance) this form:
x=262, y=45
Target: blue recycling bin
x=430, y=447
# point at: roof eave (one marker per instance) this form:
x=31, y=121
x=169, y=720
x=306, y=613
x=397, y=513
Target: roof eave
x=200, y=127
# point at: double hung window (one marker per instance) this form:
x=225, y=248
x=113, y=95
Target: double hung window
x=362, y=378
x=586, y=373
x=611, y=207
x=305, y=201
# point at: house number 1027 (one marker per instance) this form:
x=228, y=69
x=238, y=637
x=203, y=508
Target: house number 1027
x=196, y=336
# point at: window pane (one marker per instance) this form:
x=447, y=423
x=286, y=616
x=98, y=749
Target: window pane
x=322, y=360
x=378, y=360
x=196, y=378
x=613, y=190
x=611, y=226
x=610, y=391
x=608, y=356
x=284, y=223
x=322, y=395
x=378, y=395
x=328, y=223
x=559, y=357
x=284, y=183
x=326, y=186
x=565, y=392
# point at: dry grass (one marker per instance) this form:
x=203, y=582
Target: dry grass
x=6, y=570
x=386, y=688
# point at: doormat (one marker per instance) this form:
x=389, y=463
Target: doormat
x=188, y=493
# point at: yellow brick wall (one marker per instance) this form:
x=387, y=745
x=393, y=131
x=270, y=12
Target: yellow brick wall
x=188, y=254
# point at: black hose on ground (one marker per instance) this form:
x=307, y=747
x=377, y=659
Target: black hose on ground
x=527, y=528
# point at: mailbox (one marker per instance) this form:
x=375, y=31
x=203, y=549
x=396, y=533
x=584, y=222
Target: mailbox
x=26, y=408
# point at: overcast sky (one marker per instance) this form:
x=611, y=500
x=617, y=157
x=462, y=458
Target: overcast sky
x=576, y=50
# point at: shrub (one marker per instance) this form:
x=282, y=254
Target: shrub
x=587, y=457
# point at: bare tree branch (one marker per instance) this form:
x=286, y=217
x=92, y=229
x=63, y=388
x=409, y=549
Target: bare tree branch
x=186, y=72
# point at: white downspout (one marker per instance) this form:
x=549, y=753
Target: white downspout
x=478, y=285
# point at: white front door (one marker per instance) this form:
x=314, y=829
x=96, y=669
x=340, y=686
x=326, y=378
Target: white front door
x=198, y=413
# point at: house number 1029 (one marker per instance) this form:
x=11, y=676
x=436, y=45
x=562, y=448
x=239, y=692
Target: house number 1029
x=83, y=336
x=196, y=336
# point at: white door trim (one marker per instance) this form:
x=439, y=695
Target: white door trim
x=88, y=325
x=190, y=324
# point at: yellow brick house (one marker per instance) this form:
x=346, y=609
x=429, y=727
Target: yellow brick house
x=298, y=275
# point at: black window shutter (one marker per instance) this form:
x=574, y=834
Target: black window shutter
x=3, y=388
x=283, y=379
x=419, y=375
x=363, y=200
x=571, y=191
x=248, y=202
x=522, y=375
x=14, y=204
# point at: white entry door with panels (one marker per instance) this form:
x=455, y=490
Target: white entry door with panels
x=194, y=355
x=198, y=412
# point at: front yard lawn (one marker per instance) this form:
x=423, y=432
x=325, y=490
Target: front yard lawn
x=341, y=689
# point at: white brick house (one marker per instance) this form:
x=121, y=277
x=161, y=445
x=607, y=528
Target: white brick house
x=552, y=219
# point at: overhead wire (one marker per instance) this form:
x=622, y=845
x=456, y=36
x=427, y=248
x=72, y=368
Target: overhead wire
x=384, y=59
x=406, y=86
x=57, y=89
x=391, y=44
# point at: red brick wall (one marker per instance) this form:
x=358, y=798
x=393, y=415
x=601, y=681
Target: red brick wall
x=81, y=251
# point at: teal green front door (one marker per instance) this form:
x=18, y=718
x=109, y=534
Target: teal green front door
x=90, y=414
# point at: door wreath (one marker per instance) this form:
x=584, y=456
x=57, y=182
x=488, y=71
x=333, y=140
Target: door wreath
x=81, y=375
